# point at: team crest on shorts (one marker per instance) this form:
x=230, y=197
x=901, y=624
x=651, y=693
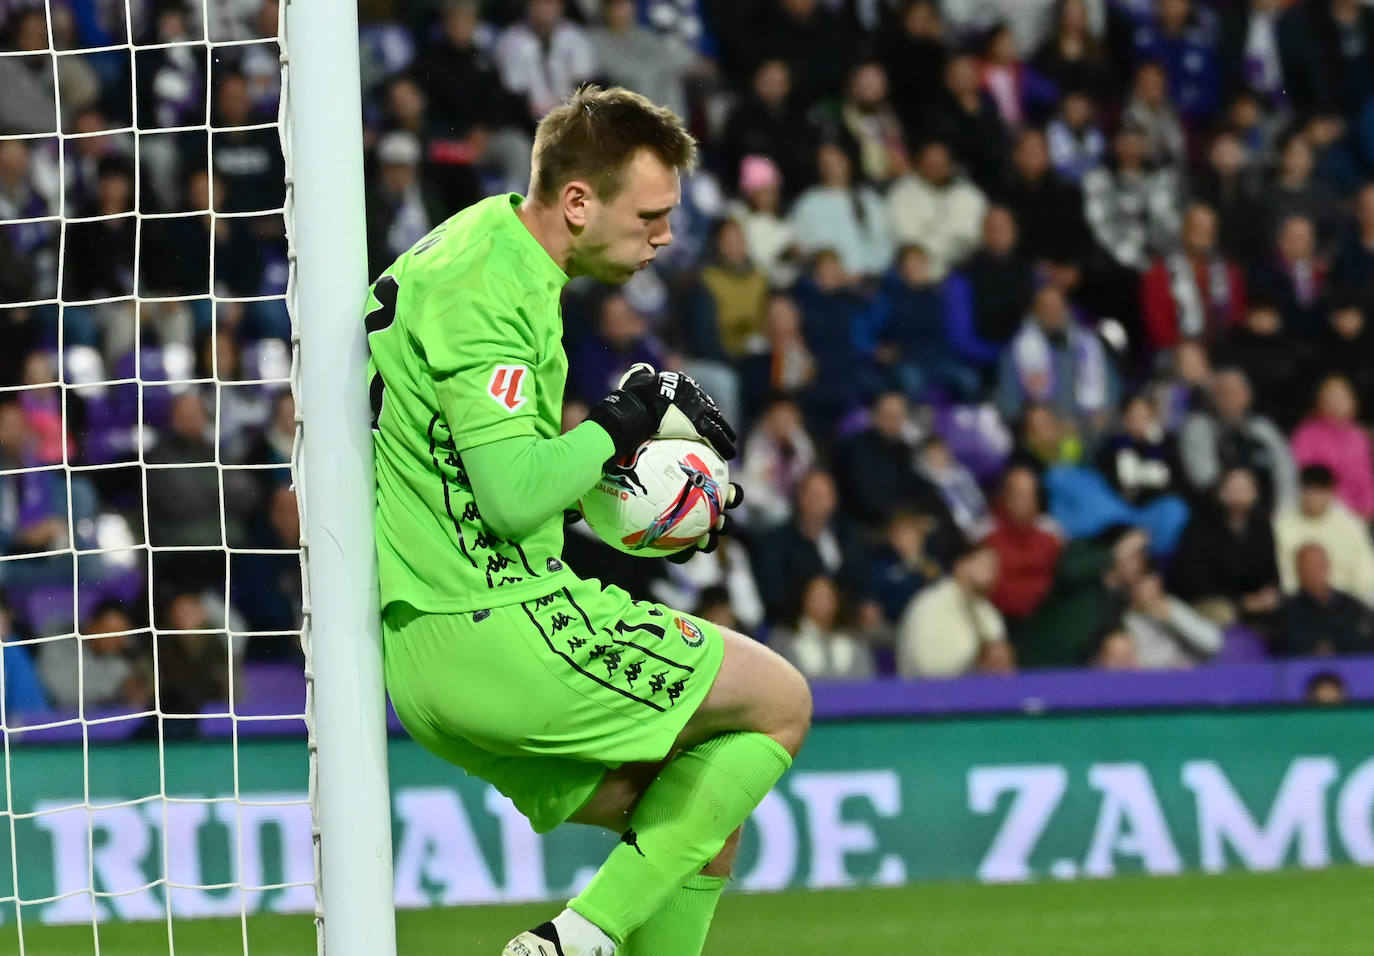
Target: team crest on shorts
x=691, y=634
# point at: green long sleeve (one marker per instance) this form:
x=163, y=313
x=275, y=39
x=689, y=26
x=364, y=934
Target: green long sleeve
x=522, y=482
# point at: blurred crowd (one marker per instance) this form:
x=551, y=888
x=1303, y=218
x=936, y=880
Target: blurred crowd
x=174, y=425
x=1045, y=322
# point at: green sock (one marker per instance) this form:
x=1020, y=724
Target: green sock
x=680, y=928
x=680, y=824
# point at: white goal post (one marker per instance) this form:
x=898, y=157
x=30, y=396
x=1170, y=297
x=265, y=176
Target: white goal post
x=137, y=379
x=322, y=134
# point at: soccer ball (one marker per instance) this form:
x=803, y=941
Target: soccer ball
x=660, y=499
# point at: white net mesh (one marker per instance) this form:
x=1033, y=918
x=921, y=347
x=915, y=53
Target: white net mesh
x=152, y=676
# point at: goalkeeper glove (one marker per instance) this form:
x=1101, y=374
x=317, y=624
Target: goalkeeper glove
x=734, y=494
x=649, y=404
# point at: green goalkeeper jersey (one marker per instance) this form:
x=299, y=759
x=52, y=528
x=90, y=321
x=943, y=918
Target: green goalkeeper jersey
x=465, y=331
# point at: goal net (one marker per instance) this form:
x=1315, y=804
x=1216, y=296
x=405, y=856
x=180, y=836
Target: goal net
x=153, y=680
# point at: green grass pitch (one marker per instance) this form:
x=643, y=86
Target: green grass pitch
x=1293, y=913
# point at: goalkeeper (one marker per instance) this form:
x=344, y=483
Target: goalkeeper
x=573, y=700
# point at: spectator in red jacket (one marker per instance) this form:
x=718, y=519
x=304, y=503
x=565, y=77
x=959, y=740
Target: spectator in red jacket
x=1193, y=293
x=1027, y=543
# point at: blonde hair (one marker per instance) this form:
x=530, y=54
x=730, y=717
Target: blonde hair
x=593, y=135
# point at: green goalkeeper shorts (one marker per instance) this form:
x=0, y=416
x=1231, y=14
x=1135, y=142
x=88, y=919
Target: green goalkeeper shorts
x=540, y=699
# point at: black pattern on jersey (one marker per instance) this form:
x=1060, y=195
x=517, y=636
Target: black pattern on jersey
x=441, y=441
x=605, y=655
x=582, y=668
x=502, y=560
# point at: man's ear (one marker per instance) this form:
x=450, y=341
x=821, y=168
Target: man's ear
x=577, y=197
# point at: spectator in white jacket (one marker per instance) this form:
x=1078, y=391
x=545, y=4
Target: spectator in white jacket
x=1319, y=518
x=775, y=456
x=951, y=628
x=772, y=244
x=1165, y=632
x=938, y=210
x=838, y=215
x=817, y=643
x=544, y=56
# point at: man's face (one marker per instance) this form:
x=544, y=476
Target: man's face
x=1173, y=14
x=1364, y=209
x=1264, y=322
x=1021, y=495
x=1150, y=85
x=108, y=632
x=1032, y=156
x=1130, y=148
x=816, y=497
x=186, y=613
x=868, y=87
x=13, y=432
x=999, y=231
x=398, y=177
x=621, y=236
x=1313, y=569
x=1227, y=154
x=1314, y=501
x=772, y=82
x=1238, y=491
x=981, y=569
x=286, y=517
x=889, y=415
x=1297, y=240
x=619, y=14
x=961, y=75
x=233, y=101
x=544, y=14
x=189, y=419
x=934, y=164
x=1296, y=159
x=1138, y=419
x=1078, y=110
x=1050, y=310
x=1199, y=230
x=1231, y=394
x=14, y=160
x=460, y=24
x=1348, y=322
x=782, y=421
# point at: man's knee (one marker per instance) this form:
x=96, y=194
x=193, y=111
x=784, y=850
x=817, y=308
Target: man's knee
x=795, y=711
x=755, y=690
x=615, y=800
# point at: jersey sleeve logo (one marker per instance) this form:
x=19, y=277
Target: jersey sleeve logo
x=507, y=382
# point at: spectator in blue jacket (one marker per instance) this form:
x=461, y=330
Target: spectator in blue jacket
x=19, y=682
x=1183, y=38
x=835, y=319
x=911, y=328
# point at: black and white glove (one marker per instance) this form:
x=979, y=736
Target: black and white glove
x=734, y=494
x=649, y=404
